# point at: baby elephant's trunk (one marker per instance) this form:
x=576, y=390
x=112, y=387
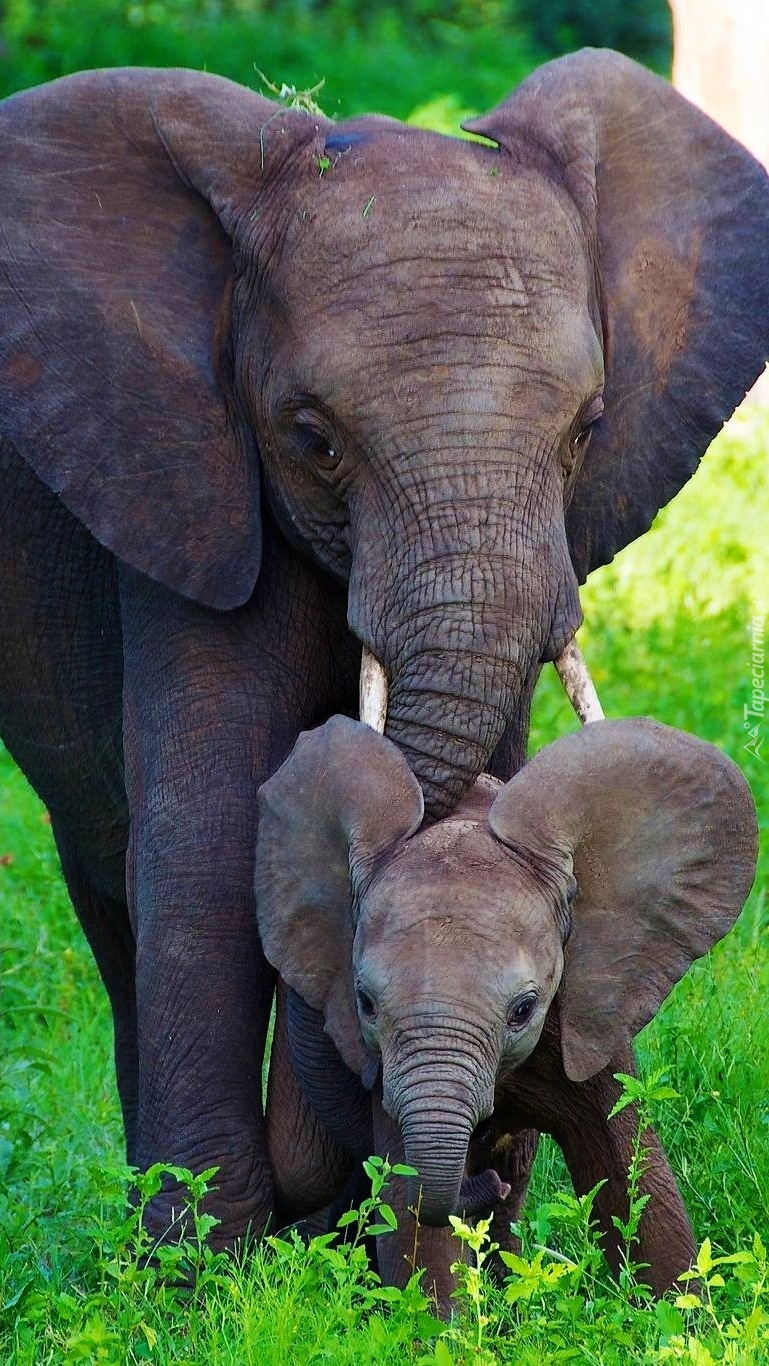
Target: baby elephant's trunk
x=438, y=1098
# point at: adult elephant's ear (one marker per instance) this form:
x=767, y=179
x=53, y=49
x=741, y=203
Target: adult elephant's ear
x=679, y=213
x=659, y=829
x=121, y=192
x=344, y=797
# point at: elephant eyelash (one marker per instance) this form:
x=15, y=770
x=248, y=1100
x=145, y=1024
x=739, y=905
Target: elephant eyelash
x=366, y=1005
x=316, y=446
x=312, y=434
x=588, y=416
x=579, y=438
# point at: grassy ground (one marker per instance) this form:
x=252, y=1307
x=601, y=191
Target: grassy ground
x=668, y=635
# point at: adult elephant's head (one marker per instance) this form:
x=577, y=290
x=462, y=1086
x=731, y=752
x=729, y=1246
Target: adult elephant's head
x=468, y=373
x=601, y=870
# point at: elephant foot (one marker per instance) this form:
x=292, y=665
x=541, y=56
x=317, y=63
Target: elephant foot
x=241, y=1215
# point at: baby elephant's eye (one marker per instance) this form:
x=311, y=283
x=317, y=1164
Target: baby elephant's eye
x=520, y=1011
x=366, y=1005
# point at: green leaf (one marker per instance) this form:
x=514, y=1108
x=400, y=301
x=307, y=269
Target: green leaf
x=150, y=1335
x=688, y=1302
x=662, y=1093
x=388, y=1215
x=425, y=1326
x=388, y=1294
x=704, y=1260
x=668, y=1318
x=516, y=1263
x=350, y=1216
x=15, y=1298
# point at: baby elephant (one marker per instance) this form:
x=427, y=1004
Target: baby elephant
x=600, y=871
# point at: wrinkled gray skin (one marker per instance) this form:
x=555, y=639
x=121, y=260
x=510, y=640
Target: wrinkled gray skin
x=252, y=415
x=610, y=862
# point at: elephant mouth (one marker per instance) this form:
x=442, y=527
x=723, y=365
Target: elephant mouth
x=569, y=665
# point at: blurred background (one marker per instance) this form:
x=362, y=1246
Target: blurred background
x=394, y=56
x=430, y=62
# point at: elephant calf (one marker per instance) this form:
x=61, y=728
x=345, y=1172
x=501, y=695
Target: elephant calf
x=493, y=966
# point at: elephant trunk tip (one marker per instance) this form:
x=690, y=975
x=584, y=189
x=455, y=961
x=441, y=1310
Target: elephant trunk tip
x=434, y=1214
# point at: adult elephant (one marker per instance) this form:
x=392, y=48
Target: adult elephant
x=271, y=388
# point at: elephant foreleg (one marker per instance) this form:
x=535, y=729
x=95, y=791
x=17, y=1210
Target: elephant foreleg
x=105, y=922
x=599, y=1149
x=309, y=1167
x=212, y=704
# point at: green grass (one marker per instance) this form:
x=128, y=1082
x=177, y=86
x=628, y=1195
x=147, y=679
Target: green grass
x=667, y=634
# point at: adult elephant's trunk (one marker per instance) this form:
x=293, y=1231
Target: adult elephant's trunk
x=448, y=709
x=569, y=664
x=462, y=596
x=438, y=1091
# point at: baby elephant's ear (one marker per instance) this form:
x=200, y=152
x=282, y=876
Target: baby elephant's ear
x=343, y=797
x=660, y=829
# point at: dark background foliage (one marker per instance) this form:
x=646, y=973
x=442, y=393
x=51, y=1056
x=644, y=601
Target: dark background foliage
x=392, y=55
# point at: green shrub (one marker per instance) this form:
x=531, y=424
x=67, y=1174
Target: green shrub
x=643, y=31
x=383, y=63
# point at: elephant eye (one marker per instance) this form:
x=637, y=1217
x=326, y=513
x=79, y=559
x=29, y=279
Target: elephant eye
x=582, y=432
x=520, y=1011
x=314, y=442
x=366, y=1005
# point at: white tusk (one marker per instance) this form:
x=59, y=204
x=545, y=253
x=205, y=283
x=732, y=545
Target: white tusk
x=579, y=686
x=373, y=692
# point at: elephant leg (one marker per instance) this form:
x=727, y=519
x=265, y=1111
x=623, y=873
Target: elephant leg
x=334, y=1092
x=212, y=704
x=513, y=1162
x=61, y=686
x=412, y=1245
x=107, y=928
x=309, y=1168
x=599, y=1149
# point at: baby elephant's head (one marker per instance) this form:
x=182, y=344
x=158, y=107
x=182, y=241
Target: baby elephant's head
x=611, y=861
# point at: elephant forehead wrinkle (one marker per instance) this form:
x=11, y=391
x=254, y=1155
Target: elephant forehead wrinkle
x=444, y=836
x=414, y=216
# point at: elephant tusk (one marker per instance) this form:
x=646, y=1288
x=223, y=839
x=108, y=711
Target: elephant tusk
x=578, y=685
x=373, y=692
